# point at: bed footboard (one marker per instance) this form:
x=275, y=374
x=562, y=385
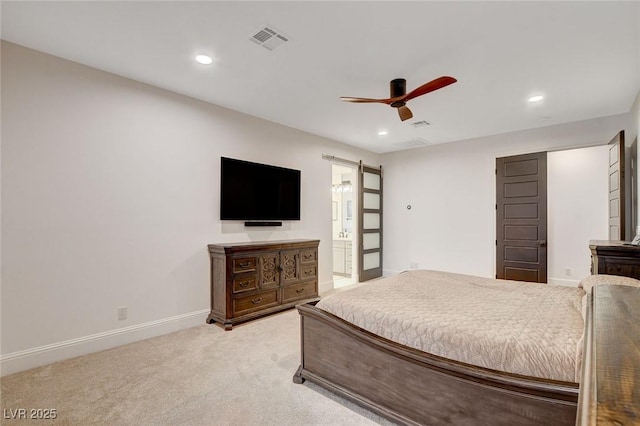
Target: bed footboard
x=408, y=386
x=611, y=367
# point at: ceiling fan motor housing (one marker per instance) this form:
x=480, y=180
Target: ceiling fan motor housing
x=398, y=87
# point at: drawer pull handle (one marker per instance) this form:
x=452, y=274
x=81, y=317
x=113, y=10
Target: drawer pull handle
x=256, y=301
x=244, y=264
x=300, y=290
x=244, y=284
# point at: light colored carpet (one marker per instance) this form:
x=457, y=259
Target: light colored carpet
x=199, y=376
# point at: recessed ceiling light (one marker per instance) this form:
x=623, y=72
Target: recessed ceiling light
x=204, y=59
x=382, y=133
x=537, y=98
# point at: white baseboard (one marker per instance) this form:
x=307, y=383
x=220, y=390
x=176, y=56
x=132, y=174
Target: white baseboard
x=325, y=286
x=43, y=355
x=562, y=281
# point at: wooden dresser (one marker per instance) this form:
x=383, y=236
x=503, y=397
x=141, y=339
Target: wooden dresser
x=253, y=279
x=615, y=258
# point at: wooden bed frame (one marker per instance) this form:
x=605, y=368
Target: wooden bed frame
x=610, y=382
x=412, y=387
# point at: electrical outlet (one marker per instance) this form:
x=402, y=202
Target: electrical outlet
x=413, y=265
x=122, y=313
x=568, y=272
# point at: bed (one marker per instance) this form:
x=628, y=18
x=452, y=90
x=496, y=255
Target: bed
x=429, y=347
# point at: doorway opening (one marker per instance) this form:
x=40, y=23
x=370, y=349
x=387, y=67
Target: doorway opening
x=344, y=227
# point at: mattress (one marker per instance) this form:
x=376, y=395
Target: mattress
x=528, y=329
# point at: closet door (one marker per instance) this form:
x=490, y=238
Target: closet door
x=370, y=223
x=521, y=217
x=616, y=188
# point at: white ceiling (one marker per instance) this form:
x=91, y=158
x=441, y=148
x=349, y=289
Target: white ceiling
x=583, y=56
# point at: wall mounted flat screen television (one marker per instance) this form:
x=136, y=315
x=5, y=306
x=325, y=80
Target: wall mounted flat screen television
x=254, y=191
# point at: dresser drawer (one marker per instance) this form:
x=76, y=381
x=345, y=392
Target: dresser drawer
x=308, y=256
x=299, y=291
x=244, y=282
x=255, y=302
x=308, y=271
x=621, y=268
x=244, y=264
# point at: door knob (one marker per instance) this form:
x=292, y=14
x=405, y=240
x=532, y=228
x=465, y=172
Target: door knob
x=542, y=243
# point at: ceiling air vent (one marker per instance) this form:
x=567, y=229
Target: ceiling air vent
x=413, y=143
x=268, y=37
x=421, y=123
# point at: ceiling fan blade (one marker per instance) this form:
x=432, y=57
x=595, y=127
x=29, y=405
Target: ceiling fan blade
x=436, y=84
x=363, y=100
x=404, y=113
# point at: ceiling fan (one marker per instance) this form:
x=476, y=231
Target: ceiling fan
x=399, y=97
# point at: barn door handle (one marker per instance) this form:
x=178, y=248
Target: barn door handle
x=542, y=243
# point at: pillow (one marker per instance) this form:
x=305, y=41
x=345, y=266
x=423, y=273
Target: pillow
x=592, y=280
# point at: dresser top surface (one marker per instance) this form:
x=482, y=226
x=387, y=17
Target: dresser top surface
x=263, y=243
x=613, y=244
x=257, y=245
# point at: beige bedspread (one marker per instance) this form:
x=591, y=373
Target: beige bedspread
x=523, y=328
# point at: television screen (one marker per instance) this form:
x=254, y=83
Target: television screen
x=253, y=191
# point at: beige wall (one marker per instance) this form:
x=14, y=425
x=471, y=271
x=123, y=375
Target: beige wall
x=577, y=197
x=451, y=190
x=110, y=194
x=632, y=138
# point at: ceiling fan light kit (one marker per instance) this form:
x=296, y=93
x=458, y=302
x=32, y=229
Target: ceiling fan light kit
x=399, y=96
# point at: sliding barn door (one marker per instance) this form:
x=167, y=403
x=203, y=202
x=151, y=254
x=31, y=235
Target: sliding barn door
x=616, y=188
x=521, y=217
x=370, y=223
